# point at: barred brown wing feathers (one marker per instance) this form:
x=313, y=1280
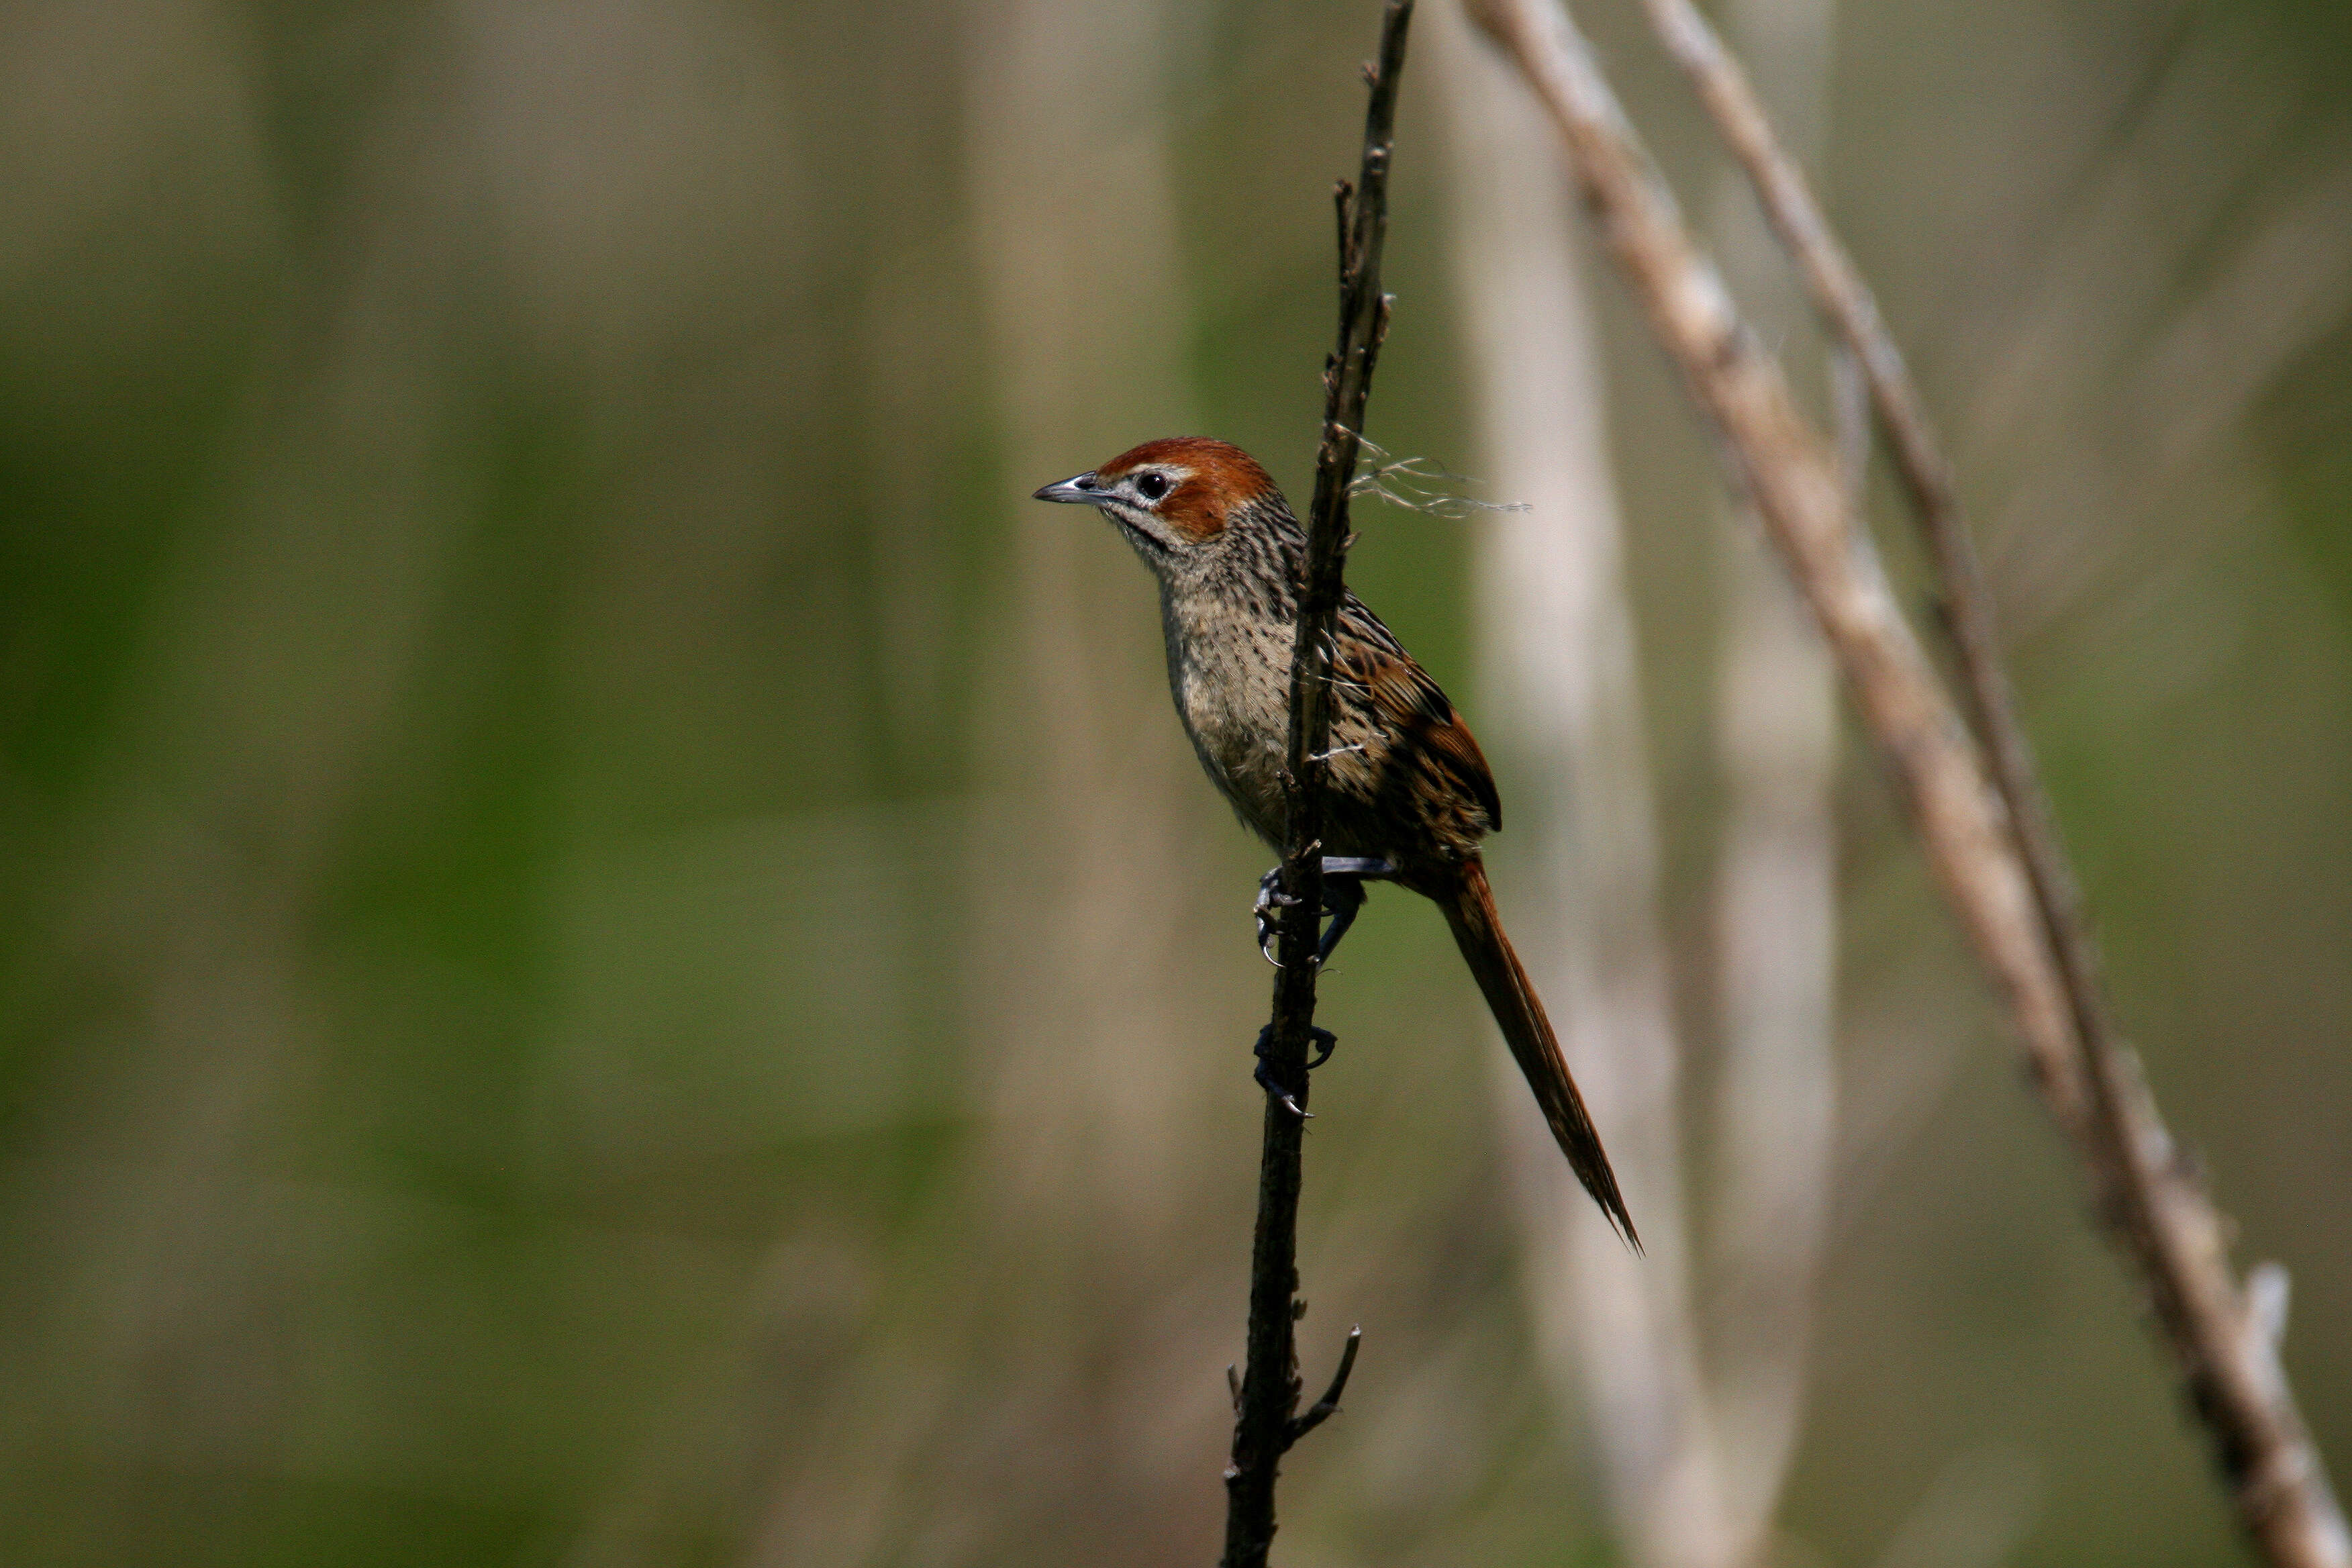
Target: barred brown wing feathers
x=1415, y=717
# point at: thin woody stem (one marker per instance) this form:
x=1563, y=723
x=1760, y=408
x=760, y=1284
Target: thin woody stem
x=1981, y=815
x=1264, y=1425
x=2158, y=1208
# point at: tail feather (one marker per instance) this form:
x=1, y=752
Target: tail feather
x=1478, y=931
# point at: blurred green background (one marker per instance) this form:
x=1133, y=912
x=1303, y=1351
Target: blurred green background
x=611, y=956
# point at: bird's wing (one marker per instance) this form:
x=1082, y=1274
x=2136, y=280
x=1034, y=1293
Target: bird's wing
x=1414, y=711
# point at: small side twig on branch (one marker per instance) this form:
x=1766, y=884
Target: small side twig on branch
x=1264, y=1424
x=1323, y=1409
x=1987, y=830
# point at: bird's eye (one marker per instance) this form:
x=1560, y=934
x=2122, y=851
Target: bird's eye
x=1151, y=486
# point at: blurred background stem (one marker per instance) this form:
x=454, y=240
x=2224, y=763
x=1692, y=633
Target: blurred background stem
x=1565, y=714
x=1774, y=1105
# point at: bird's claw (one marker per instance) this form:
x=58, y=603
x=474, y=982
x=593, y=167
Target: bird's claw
x=1324, y=1041
x=1343, y=896
x=1267, y=911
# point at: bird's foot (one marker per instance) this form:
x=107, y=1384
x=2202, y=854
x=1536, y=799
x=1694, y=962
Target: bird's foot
x=1267, y=912
x=1343, y=897
x=1343, y=900
x=1325, y=1043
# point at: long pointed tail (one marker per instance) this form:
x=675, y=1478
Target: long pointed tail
x=1478, y=931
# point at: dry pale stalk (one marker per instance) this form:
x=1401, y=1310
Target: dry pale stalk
x=1564, y=712
x=1794, y=479
x=1774, y=1102
x=2024, y=929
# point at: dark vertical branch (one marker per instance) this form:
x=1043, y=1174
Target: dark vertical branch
x=1265, y=1421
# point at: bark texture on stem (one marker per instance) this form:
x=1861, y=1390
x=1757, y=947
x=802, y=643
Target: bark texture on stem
x=1998, y=862
x=1266, y=1418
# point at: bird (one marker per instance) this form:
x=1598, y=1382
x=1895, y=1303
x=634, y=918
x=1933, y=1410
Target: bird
x=1408, y=793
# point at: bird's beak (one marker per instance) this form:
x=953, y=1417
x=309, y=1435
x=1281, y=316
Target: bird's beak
x=1078, y=492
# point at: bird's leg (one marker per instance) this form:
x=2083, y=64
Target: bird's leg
x=1267, y=911
x=1325, y=1043
x=1343, y=896
x=1266, y=1079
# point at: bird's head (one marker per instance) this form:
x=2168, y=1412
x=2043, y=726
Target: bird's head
x=1178, y=501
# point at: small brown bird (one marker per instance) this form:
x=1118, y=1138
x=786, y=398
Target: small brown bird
x=1409, y=795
